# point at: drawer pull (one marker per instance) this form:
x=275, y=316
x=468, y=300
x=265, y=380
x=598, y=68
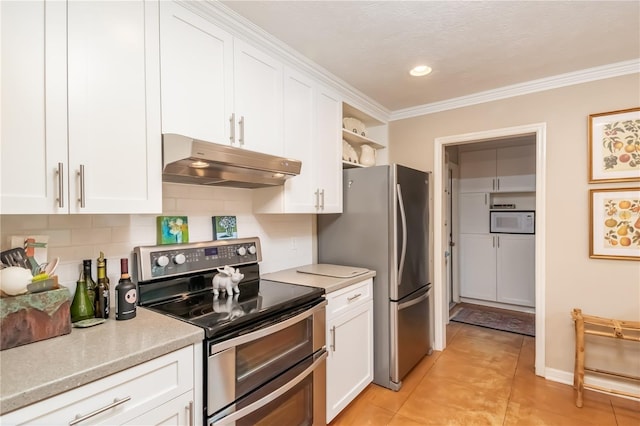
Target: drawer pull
x=354, y=297
x=190, y=413
x=114, y=404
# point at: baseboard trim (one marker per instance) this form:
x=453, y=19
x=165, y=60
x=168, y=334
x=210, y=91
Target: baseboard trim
x=566, y=378
x=498, y=305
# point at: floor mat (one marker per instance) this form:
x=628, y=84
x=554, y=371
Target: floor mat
x=497, y=319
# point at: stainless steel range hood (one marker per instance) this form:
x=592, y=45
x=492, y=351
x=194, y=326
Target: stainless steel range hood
x=188, y=160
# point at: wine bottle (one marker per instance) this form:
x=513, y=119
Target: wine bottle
x=126, y=293
x=81, y=307
x=91, y=284
x=102, y=290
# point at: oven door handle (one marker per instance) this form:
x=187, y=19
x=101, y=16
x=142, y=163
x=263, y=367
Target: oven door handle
x=236, y=341
x=272, y=396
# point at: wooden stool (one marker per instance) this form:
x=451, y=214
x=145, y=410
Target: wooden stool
x=604, y=327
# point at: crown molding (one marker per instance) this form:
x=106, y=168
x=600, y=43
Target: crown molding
x=554, y=82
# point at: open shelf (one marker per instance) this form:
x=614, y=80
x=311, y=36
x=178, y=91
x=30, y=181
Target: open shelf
x=354, y=138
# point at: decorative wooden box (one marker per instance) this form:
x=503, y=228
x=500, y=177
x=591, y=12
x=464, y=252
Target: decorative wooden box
x=32, y=317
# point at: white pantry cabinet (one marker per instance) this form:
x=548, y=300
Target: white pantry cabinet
x=498, y=268
x=215, y=87
x=474, y=212
x=155, y=392
x=80, y=107
x=312, y=117
x=349, y=343
x=509, y=169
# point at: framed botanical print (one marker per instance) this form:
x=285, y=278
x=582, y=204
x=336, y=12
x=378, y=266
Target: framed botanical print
x=615, y=223
x=614, y=146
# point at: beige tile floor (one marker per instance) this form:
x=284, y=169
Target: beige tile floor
x=484, y=377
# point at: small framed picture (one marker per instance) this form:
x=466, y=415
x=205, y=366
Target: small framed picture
x=224, y=227
x=614, y=146
x=615, y=223
x=172, y=229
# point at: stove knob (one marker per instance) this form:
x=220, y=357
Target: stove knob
x=241, y=251
x=252, y=250
x=179, y=259
x=162, y=261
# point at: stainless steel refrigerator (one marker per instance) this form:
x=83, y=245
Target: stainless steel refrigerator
x=384, y=226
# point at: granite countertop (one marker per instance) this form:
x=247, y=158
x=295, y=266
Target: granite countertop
x=327, y=278
x=39, y=370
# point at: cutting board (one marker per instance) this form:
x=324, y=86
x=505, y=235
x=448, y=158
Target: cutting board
x=336, y=271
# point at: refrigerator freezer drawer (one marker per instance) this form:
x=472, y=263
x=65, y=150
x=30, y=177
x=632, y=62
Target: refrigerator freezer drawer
x=411, y=337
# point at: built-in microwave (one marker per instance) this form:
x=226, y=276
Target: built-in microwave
x=512, y=221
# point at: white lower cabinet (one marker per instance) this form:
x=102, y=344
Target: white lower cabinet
x=498, y=268
x=160, y=391
x=350, y=344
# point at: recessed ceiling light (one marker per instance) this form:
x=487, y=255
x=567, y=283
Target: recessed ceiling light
x=420, y=70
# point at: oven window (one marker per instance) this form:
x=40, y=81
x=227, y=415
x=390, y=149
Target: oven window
x=263, y=359
x=294, y=407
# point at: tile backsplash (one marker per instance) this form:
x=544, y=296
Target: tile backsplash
x=287, y=240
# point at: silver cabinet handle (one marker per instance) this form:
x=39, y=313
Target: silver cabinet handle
x=485, y=199
x=498, y=241
x=354, y=297
x=231, y=418
x=322, y=198
x=190, y=413
x=232, y=128
x=493, y=184
x=241, y=125
x=498, y=184
x=82, y=198
x=114, y=404
x=493, y=241
x=317, y=194
x=333, y=338
x=60, y=174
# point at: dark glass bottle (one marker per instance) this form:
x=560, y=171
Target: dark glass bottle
x=91, y=284
x=126, y=294
x=81, y=307
x=102, y=290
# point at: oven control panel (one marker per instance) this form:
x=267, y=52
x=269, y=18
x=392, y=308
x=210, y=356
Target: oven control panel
x=153, y=262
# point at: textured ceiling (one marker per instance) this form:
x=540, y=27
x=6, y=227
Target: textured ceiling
x=472, y=46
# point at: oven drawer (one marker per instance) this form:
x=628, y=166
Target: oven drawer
x=349, y=297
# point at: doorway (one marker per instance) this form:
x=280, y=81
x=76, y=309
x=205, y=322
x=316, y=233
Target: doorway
x=441, y=239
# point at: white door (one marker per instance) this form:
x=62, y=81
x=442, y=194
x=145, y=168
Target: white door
x=516, y=269
x=258, y=99
x=197, y=75
x=34, y=101
x=328, y=151
x=478, y=266
x=114, y=107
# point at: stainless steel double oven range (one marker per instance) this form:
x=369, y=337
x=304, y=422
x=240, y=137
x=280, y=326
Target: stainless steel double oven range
x=264, y=348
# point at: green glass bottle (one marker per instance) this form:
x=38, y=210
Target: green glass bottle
x=91, y=284
x=82, y=306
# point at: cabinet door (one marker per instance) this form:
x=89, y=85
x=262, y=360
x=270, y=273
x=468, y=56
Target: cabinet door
x=474, y=213
x=328, y=151
x=350, y=360
x=516, y=269
x=197, y=75
x=516, y=169
x=478, y=171
x=299, y=119
x=478, y=266
x=34, y=100
x=258, y=99
x=177, y=412
x=114, y=106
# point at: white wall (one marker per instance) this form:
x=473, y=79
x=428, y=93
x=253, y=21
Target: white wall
x=287, y=240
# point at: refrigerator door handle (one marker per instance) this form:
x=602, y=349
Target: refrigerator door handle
x=410, y=303
x=403, y=218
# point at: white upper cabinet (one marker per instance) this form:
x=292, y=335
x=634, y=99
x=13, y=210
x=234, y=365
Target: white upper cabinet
x=197, y=75
x=96, y=150
x=312, y=117
x=510, y=169
x=258, y=82
x=34, y=116
x=217, y=88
